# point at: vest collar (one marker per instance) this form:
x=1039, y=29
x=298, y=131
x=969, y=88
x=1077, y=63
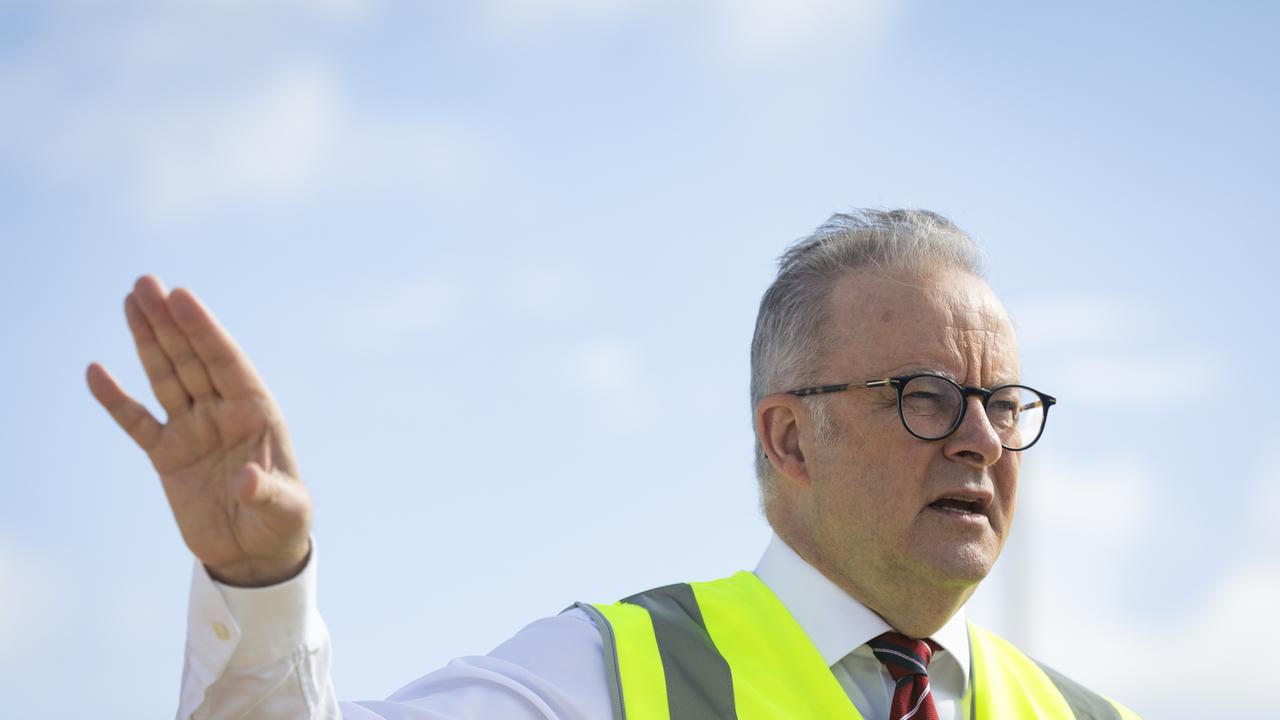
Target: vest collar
x=835, y=622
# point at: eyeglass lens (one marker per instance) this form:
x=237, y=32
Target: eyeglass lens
x=931, y=405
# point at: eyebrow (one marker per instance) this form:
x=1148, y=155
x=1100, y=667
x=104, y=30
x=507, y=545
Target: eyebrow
x=927, y=369
x=931, y=370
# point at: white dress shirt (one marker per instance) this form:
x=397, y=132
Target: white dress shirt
x=265, y=652
x=840, y=627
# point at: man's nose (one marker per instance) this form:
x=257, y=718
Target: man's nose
x=975, y=442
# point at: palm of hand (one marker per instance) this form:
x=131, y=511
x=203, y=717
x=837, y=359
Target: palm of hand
x=224, y=456
x=199, y=456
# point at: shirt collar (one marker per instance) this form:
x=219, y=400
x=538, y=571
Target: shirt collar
x=835, y=622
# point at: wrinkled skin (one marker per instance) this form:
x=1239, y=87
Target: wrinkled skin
x=859, y=505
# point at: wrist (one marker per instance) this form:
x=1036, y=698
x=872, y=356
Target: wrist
x=262, y=572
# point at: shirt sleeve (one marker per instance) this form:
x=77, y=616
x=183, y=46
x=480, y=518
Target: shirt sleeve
x=265, y=652
x=256, y=652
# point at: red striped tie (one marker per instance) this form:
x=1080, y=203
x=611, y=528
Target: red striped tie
x=907, y=660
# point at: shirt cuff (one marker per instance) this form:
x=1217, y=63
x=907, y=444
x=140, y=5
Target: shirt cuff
x=246, y=627
x=274, y=620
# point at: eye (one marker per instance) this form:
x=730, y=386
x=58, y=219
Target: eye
x=1006, y=406
x=922, y=402
x=1003, y=407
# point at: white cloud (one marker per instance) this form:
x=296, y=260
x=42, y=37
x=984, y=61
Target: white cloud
x=537, y=288
x=1074, y=320
x=545, y=24
x=1093, y=349
x=400, y=311
x=1265, y=521
x=1141, y=382
x=269, y=148
x=1105, y=501
x=343, y=10
x=30, y=604
x=607, y=366
x=297, y=135
x=190, y=107
x=612, y=373
x=1079, y=625
x=1138, y=662
x=767, y=29
x=513, y=13
x=424, y=153
x=741, y=30
x=338, y=11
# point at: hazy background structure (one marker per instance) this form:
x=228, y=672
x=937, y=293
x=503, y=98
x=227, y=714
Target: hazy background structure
x=500, y=261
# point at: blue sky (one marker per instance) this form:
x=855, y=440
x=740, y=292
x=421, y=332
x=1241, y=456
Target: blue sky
x=500, y=261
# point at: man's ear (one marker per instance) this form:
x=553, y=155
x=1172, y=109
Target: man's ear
x=778, y=431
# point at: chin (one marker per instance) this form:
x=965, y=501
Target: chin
x=960, y=565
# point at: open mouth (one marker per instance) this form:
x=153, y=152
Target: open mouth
x=957, y=505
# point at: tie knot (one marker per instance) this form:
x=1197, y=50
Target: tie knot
x=902, y=655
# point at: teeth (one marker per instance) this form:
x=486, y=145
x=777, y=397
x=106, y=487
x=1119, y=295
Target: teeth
x=958, y=505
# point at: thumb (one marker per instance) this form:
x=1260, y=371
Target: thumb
x=281, y=503
x=255, y=486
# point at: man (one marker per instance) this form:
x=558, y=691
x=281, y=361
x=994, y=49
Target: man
x=890, y=419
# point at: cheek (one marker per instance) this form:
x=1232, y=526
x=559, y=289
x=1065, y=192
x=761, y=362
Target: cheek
x=1006, y=487
x=858, y=495
x=841, y=496
x=859, y=478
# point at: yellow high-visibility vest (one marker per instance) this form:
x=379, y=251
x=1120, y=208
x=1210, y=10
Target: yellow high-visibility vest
x=729, y=649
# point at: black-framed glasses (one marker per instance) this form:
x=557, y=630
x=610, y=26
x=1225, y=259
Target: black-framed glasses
x=932, y=407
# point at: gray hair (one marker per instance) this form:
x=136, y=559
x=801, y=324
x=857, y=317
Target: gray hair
x=789, y=338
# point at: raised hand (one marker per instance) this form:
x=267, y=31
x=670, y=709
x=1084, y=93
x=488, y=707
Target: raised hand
x=223, y=456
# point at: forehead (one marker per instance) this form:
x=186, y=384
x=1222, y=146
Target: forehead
x=946, y=320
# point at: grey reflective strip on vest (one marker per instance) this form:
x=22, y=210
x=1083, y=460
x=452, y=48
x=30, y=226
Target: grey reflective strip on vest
x=1085, y=704
x=699, y=685
x=610, y=657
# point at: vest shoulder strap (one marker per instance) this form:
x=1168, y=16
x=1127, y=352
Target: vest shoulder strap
x=1007, y=683
x=721, y=650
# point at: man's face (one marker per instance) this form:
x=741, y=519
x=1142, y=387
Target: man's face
x=872, y=509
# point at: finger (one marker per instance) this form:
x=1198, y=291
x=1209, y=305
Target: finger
x=128, y=413
x=165, y=384
x=229, y=368
x=153, y=298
